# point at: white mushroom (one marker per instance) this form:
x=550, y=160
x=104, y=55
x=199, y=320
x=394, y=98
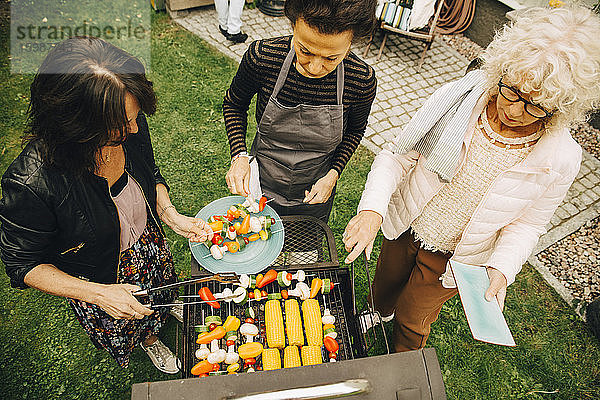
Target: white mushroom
x=249, y=330
x=300, y=276
x=202, y=352
x=301, y=290
x=327, y=317
x=216, y=252
x=231, y=357
x=244, y=281
x=255, y=225
x=225, y=294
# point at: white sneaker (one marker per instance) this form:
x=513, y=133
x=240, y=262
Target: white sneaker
x=162, y=357
x=368, y=319
x=177, y=311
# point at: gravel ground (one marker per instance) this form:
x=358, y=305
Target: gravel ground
x=575, y=259
x=463, y=45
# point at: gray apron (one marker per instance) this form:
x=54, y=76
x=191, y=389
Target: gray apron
x=294, y=147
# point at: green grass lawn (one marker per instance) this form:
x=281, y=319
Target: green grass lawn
x=44, y=353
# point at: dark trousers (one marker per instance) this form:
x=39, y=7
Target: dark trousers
x=407, y=282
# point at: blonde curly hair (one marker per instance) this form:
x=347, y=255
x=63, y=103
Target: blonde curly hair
x=553, y=55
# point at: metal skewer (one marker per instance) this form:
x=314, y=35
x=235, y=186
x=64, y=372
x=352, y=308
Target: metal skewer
x=210, y=255
x=193, y=302
x=223, y=277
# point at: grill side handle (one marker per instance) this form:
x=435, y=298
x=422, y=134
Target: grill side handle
x=336, y=390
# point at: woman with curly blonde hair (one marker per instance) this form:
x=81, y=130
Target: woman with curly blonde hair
x=478, y=172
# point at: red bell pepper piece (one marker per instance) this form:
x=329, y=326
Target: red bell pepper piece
x=269, y=277
x=217, y=239
x=262, y=203
x=206, y=295
x=331, y=344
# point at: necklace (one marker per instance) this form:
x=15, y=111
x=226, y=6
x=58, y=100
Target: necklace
x=493, y=137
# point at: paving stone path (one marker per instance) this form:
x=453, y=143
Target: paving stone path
x=402, y=88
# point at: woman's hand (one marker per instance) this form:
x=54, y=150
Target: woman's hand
x=321, y=190
x=360, y=234
x=119, y=303
x=194, y=229
x=238, y=177
x=497, y=287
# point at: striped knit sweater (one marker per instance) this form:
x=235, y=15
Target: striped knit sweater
x=258, y=73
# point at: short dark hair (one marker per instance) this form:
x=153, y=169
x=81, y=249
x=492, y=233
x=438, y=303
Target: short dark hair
x=334, y=16
x=78, y=99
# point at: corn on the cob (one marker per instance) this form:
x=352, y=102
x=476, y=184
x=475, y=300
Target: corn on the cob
x=311, y=355
x=293, y=323
x=291, y=357
x=274, y=324
x=271, y=359
x=313, y=326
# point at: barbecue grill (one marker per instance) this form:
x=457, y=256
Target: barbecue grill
x=309, y=245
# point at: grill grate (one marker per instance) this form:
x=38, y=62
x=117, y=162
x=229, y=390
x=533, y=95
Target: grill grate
x=338, y=301
x=309, y=245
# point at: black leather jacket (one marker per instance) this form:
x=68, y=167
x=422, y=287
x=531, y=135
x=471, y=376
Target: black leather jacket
x=51, y=218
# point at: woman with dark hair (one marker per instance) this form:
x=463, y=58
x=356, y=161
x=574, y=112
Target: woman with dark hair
x=82, y=202
x=313, y=99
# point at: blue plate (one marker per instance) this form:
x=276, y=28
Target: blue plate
x=255, y=257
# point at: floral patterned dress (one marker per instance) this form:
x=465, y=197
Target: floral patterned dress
x=148, y=263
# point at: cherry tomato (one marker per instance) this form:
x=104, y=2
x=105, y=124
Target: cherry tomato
x=289, y=276
x=249, y=320
x=230, y=343
x=216, y=367
x=258, y=368
x=272, y=221
x=246, y=240
x=250, y=295
x=250, y=361
x=333, y=355
x=332, y=285
x=202, y=375
x=263, y=293
x=212, y=327
x=284, y=294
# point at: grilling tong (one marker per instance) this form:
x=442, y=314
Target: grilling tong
x=222, y=277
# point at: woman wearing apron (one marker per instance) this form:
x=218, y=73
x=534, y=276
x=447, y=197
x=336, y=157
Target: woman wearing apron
x=313, y=100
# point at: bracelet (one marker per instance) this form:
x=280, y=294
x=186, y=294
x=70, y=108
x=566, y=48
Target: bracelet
x=164, y=210
x=238, y=155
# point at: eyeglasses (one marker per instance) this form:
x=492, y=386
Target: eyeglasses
x=511, y=94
